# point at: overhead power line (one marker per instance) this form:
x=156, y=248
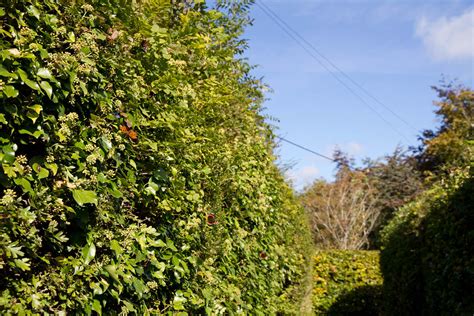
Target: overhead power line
x=304, y=148
x=353, y=81
x=289, y=31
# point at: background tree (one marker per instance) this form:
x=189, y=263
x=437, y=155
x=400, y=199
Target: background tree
x=397, y=181
x=451, y=144
x=361, y=200
x=343, y=213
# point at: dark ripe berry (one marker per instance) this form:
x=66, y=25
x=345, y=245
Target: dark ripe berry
x=126, y=205
x=211, y=219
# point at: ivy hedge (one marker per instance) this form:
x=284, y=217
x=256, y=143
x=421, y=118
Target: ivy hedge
x=347, y=282
x=427, y=260
x=137, y=173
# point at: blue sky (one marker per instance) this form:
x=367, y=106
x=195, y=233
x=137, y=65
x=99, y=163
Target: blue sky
x=394, y=49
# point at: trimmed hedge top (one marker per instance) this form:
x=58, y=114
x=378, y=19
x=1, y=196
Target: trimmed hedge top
x=346, y=282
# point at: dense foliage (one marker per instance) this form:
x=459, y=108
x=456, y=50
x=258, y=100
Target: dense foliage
x=426, y=259
x=451, y=144
x=137, y=173
x=346, y=283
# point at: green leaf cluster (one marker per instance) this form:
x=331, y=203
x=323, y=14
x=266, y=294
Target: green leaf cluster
x=124, y=125
x=451, y=144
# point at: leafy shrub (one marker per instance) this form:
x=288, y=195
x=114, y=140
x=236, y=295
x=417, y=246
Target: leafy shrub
x=137, y=172
x=346, y=282
x=427, y=260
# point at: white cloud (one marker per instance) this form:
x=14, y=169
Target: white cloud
x=303, y=177
x=448, y=38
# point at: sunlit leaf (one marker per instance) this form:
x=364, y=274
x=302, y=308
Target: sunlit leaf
x=88, y=253
x=10, y=91
x=47, y=88
x=84, y=196
x=44, y=73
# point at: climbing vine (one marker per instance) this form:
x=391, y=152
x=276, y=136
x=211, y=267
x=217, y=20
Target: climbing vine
x=137, y=172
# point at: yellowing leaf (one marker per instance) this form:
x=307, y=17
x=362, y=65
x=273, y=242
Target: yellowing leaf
x=33, y=112
x=36, y=108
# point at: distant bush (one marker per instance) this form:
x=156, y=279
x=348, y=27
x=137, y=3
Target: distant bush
x=137, y=174
x=346, y=283
x=427, y=260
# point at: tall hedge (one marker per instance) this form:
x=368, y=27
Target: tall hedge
x=427, y=260
x=137, y=173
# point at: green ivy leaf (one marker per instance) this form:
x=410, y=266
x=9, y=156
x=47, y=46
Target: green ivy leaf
x=10, y=91
x=30, y=83
x=8, y=170
x=139, y=286
x=96, y=307
x=112, y=271
x=6, y=73
x=34, y=112
x=179, y=300
x=25, y=184
x=88, y=253
x=47, y=88
x=115, y=246
x=84, y=197
x=152, y=188
x=115, y=193
x=44, y=73
x=40, y=171
x=9, y=154
x=159, y=243
x=36, y=134
x=53, y=167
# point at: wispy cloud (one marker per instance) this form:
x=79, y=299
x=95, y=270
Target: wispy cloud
x=448, y=38
x=303, y=176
